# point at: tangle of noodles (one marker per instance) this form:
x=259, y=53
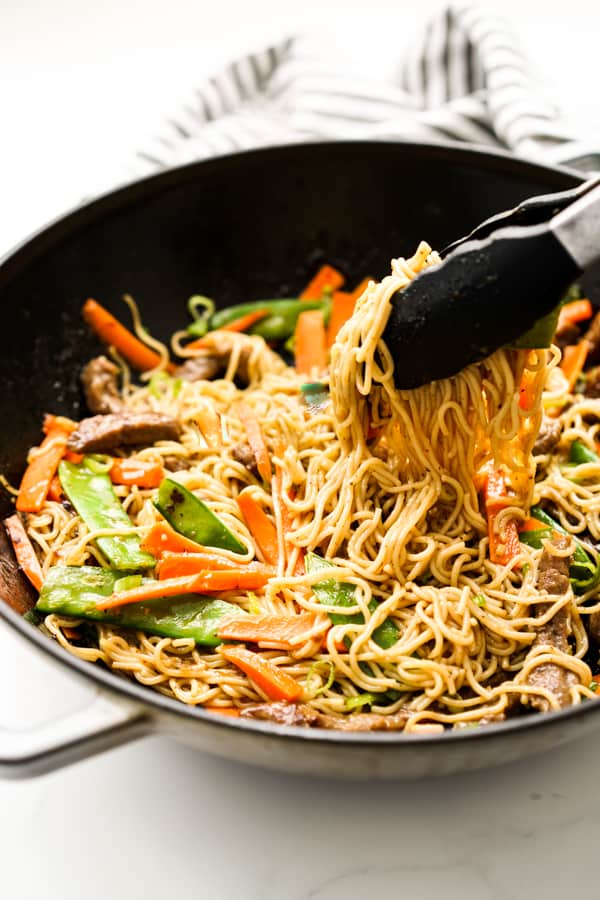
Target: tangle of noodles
x=384, y=485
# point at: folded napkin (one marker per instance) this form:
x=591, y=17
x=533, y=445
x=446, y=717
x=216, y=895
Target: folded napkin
x=466, y=79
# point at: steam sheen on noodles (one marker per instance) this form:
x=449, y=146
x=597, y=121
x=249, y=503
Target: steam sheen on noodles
x=384, y=485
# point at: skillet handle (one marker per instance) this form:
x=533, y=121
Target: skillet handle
x=49, y=718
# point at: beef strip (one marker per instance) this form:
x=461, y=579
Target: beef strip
x=177, y=463
x=99, y=434
x=301, y=714
x=592, y=382
x=201, y=368
x=101, y=387
x=566, y=334
x=242, y=452
x=553, y=578
x=592, y=336
x=548, y=437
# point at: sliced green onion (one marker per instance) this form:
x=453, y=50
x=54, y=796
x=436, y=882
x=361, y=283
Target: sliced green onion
x=594, y=685
x=313, y=673
x=359, y=701
x=253, y=604
x=525, y=569
x=127, y=583
x=158, y=379
x=98, y=463
x=481, y=600
x=177, y=385
x=200, y=325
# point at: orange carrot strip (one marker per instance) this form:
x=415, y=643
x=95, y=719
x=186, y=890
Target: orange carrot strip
x=326, y=280
x=111, y=332
x=55, y=491
x=256, y=440
x=140, y=472
x=162, y=538
x=209, y=422
x=505, y=546
x=73, y=457
x=58, y=423
x=172, y=565
x=261, y=528
x=310, y=342
x=26, y=555
x=342, y=307
x=281, y=630
x=577, y=311
x=276, y=684
x=70, y=633
x=573, y=361
x=287, y=520
x=532, y=525
x=231, y=711
x=202, y=583
x=238, y=325
x=40, y=471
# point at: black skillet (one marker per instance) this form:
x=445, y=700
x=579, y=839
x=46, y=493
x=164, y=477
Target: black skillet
x=238, y=228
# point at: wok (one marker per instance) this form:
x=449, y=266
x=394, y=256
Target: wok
x=237, y=228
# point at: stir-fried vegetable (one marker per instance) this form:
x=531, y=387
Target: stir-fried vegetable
x=24, y=552
x=580, y=454
x=310, y=342
x=111, y=332
x=336, y=593
x=261, y=527
x=42, y=466
x=174, y=565
x=574, y=312
x=93, y=497
x=315, y=395
x=78, y=590
x=191, y=517
x=162, y=538
x=503, y=546
x=584, y=572
x=278, y=631
x=139, y=472
x=277, y=685
x=244, y=323
x=256, y=440
x=573, y=361
x=280, y=322
x=326, y=281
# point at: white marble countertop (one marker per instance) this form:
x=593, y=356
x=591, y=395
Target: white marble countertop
x=83, y=84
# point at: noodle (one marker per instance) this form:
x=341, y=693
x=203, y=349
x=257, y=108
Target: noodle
x=384, y=485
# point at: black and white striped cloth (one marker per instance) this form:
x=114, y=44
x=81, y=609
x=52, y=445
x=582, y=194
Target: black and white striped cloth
x=467, y=79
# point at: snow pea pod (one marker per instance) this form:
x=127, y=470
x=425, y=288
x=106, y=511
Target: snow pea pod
x=278, y=325
x=191, y=517
x=75, y=591
x=583, y=572
x=93, y=496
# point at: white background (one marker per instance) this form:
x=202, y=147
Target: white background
x=82, y=86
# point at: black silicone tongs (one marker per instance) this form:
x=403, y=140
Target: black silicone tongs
x=493, y=285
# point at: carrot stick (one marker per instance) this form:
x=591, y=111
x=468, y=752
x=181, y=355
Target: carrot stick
x=58, y=423
x=231, y=711
x=532, y=525
x=310, y=342
x=573, y=361
x=256, y=440
x=287, y=519
x=55, y=491
x=209, y=422
x=26, y=555
x=503, y=546
x=139, y=472
x=325, y=281
x=111, y=332
x=162, y=538
x=277, y=685
x=238, y=325
x=202, y=583
x=577, y=311
x=284, y=631
x=342, y=307
x=173, y=565
x=40, y=471
x=73, y=457
x=261, y=528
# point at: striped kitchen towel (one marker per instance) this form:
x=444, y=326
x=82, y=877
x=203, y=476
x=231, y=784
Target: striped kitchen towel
x=467, y=79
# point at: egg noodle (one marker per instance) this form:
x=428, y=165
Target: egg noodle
x=384, y=485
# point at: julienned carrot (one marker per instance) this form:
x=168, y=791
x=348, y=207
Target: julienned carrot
x=26, y=556
x=277, y=685
x=577, y=311
x=40, y=471
x=73, y=457
x=287, y=520
x=238, y=325
x=231, y=711
x=283, y=631
x=55, y=491
x=532, y=525
x=209, y=422
x=162, y=538
x=112, y=333
x=327, y=280
x=204, y=583
x=342, y=307
x=58, y=423
x=573, y=361
x=503, y=546
x=140, y=472
x=256, y=440
x=173, y=565
x=310, y=342
x=261, y=528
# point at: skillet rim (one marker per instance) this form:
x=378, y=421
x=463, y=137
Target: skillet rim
x=68, y=223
